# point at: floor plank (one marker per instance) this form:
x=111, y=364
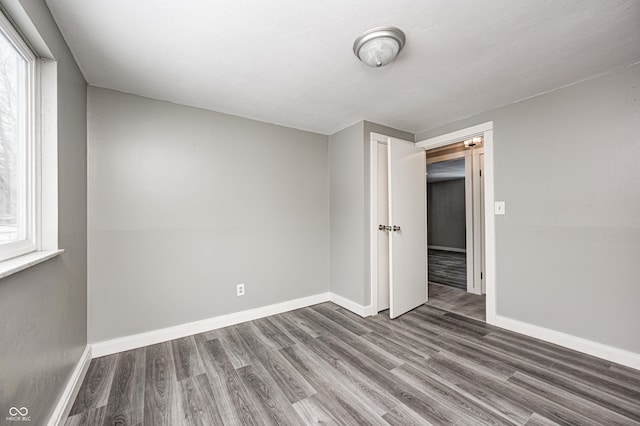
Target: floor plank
x=472, y=411
x=538, y=420
x=315, y=412
x=94, y=416
x=272, y=402
x=125, y=406
x=568, y=399
x=162, y=399
x=328, y=371
x=94, y=391
x=294, y=386
x=403, y=416
x=427, y=407
x=342, y=398
x=186, y=357
x=239, y=407
x=198, y=401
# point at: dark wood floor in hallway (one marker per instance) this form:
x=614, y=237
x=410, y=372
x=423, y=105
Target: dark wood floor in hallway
x=448, y=268
x=325, y=365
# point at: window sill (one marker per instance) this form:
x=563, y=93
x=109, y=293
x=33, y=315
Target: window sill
x=17, y=264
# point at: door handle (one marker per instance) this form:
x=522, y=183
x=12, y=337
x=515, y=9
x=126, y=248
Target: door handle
x=384, y=228
x=396, y=228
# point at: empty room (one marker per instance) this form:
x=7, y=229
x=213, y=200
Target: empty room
x=342, y=213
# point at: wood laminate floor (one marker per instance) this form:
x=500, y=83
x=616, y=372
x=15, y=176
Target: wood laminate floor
x=457, y=301
x=325, y=365
x=448, y=268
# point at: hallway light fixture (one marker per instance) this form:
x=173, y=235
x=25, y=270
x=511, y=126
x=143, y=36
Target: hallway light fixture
x=470, y=143
x=379, y=46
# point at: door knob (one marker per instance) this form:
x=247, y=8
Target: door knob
x=384, y=227
x=396, y=228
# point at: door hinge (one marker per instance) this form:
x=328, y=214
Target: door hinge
x=480, y=275
x=480, y=172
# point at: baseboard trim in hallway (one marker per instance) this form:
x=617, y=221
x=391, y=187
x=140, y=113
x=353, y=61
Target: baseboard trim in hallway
x=135, y=341
x=600, y=350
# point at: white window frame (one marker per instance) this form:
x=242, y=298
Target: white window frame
x=43, y=144
x=31, y=151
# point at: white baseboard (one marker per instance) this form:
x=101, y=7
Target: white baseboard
x=363, y=311
x=126, y=343
x=457, y=250
x=63, y=407
x=600, y=350
x=369, y=311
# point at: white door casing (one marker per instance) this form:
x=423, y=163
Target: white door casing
x=383, y=235
x=489, y=275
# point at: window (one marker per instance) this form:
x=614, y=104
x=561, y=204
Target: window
x=18, y=184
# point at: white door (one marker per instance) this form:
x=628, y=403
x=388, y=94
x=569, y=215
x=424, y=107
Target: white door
x=478, y=225
x=383, y=235
x=407, y=214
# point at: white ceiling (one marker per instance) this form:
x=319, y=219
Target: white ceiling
x=290, y=61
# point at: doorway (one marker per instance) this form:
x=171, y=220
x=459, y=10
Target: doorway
x=412, y=261
x=455, y=228
x=485, y=130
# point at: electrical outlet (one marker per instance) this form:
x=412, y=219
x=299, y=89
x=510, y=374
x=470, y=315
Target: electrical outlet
x=240, y=290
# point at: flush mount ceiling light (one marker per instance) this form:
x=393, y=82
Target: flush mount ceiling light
x=470, y=143
x=379, y=46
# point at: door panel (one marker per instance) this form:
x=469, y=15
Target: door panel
x=407, y=210
x=478, y=225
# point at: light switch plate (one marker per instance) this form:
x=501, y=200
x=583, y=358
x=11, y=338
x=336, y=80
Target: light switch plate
x=499, y=208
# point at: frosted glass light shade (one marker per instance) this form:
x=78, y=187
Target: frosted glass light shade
x=379, y=46
x=379, y=51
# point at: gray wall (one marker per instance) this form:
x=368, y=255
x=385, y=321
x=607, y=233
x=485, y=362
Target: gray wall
x=567, y=165
x=346, y=170
x=446, y=215
x=186, y=203
x=43, y=308
x=349, y=158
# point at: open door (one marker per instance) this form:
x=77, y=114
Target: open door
x=407, y=216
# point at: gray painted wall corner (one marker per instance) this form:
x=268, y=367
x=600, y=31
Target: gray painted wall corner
x=346, y=171
x=43, y=309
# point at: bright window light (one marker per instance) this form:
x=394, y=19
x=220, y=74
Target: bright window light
x=17, y=146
